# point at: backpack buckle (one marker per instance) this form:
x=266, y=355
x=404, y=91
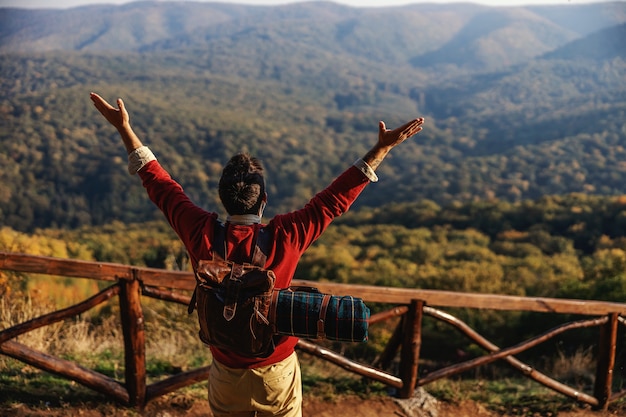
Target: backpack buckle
x=232, y=291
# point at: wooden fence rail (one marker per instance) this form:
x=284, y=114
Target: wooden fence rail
x=130, y=283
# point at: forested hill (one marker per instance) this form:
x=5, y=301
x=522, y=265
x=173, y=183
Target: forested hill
x=520, y=102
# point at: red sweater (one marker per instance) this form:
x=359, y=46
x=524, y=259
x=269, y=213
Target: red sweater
x=292, y=234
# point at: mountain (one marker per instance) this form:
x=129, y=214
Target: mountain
x=498, y=38
x=470, y=33
x=520, y=102
x=603, y=45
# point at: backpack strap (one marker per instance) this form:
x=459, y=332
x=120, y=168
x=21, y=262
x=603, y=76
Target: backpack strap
x=260, y=249
x=219, y=235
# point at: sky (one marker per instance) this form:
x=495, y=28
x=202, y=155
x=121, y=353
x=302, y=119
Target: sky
x=356, y=3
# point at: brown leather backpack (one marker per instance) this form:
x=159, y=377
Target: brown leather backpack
x=233, y=300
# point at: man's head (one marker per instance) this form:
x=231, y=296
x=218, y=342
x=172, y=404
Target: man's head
x=242, y=186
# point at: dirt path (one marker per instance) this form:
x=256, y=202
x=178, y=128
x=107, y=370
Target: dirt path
x=352, y=406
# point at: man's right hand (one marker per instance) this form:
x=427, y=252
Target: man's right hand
x=391, y=138
x=119, y=117
x=388, y=139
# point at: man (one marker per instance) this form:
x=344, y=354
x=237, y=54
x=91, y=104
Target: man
x=239, y=385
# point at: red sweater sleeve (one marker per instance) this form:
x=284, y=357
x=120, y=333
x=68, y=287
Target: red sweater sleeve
x=188, y=220
x=299, y=229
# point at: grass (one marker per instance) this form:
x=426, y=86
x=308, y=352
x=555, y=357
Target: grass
x=26, y=385
x=37, y=393
x=512, y=396
x=326, y=381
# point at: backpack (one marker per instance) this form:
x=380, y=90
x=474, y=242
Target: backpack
x=233, y=300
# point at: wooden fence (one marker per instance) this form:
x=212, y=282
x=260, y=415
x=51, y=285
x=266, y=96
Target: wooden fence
x=130, y=283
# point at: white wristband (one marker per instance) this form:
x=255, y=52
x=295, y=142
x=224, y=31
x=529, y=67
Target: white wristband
x=366, y=170
x=138, y=158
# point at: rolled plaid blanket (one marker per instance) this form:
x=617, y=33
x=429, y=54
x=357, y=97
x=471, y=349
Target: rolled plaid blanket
x=313, y=315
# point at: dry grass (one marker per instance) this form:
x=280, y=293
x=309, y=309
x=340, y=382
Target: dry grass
x=15, y=309
x=172, y=337
x=577, y=368
x=95, y=339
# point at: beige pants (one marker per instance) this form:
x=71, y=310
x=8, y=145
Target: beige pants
x=274, y=390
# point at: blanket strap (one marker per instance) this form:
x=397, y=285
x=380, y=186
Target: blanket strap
x=321, y=334
x=273, y=308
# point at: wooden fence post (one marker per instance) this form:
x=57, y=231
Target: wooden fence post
x=606, y=361
x=134, y=342
x=410, y=352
